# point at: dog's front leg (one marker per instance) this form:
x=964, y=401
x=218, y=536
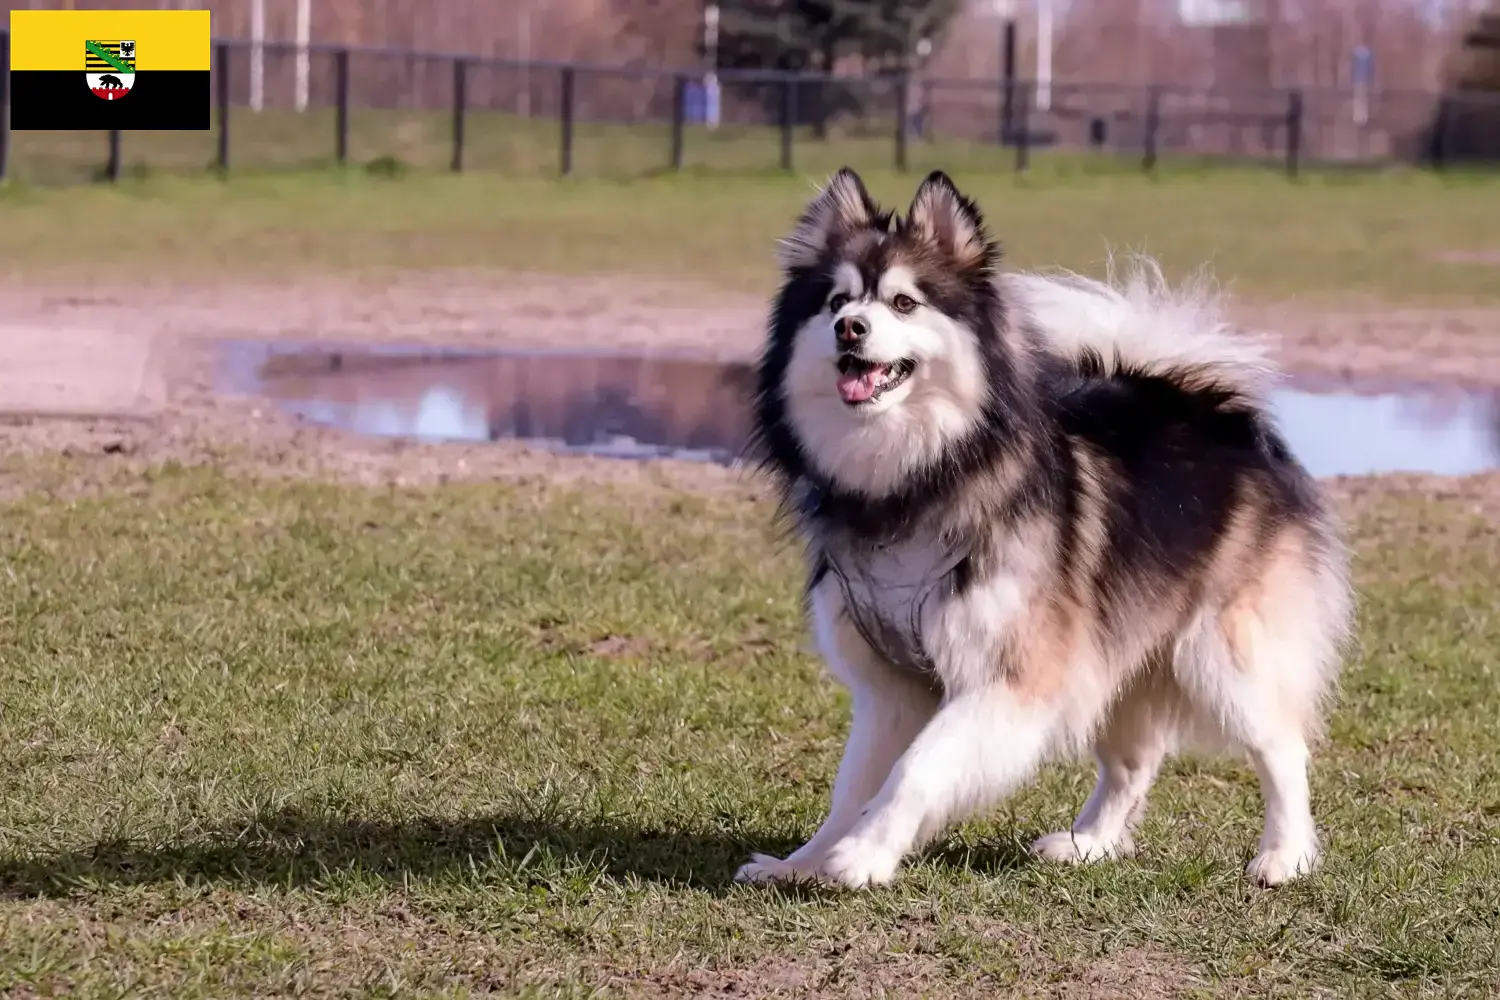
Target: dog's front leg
x=890, y=708
x=979, y=747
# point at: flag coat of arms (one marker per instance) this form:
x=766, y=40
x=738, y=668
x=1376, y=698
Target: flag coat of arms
x=110, y=69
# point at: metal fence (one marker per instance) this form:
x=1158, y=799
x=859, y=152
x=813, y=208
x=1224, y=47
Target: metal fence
x=390, y=110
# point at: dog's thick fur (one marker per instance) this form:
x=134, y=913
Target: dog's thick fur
x=1041, y=514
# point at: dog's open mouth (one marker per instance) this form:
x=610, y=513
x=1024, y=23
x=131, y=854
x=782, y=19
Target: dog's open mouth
x=862, y=381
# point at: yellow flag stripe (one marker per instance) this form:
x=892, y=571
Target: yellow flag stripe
x=164, y=39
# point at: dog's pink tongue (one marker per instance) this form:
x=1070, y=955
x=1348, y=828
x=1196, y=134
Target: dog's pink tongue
x=857, y=388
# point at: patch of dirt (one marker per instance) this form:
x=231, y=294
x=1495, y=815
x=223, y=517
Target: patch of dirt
x=619, y=647
x=1482, y=257
x=1477, y=495
x=1449, y=517
x=1440, y=345
x=361, y=944
x=192, y=424
x=908, y=966
x=445, y=307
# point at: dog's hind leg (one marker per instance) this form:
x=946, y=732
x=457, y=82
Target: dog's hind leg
x=1289, y=843
x=980, y=745
x=1235, y=693
x=1130, y=747
x=890, y=708
x=1260, y=668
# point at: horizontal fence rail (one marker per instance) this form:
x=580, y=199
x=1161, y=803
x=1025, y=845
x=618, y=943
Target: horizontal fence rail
x=388, y=110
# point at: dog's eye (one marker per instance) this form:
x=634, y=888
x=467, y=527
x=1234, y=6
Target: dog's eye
x=903, y=303
x=838, y=302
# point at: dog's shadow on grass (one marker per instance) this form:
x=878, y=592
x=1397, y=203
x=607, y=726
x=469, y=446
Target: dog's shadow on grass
x=296, y=848
x=293, y=848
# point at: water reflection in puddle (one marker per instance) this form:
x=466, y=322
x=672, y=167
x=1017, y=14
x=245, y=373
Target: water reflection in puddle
x=1353, y=429
x=693, y=407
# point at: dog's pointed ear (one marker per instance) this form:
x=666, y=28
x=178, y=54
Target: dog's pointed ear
x=840, y=208
x=942, y=216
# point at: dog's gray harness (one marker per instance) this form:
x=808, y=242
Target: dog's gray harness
x=887, y=587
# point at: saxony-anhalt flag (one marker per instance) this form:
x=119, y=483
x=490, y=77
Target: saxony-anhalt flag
x=104, y=69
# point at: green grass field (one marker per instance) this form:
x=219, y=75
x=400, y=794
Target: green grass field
x=1384, y=238
x=265, y=739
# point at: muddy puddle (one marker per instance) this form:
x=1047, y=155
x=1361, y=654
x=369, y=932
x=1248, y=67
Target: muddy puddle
x=642, y=406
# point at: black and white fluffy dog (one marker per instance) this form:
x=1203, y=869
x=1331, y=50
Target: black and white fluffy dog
x=1042, y=514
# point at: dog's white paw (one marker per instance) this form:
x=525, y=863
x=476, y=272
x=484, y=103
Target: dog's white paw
x=1078, y=847
x=1282, y=864
x=854, y=864
x=762, y=869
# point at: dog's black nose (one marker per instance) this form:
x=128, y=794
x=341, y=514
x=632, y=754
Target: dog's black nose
x=851, y=329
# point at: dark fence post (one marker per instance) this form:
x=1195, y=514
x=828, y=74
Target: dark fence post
x=1021, y=133
x=341, y=98
x=221, y=89
x=679, y=118
x=1153, y=128
x=1008, y=82
x=788, y=119
x=569, y=82
x=1293, y=132
x=112, y=168
x=460, y=106
x=4, y=101
x=903, y=83
x=1440, y=129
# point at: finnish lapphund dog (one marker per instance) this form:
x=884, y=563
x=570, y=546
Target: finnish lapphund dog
x=1042, y=515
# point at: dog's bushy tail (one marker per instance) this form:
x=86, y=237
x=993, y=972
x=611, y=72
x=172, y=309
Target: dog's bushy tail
x=1136, y=324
